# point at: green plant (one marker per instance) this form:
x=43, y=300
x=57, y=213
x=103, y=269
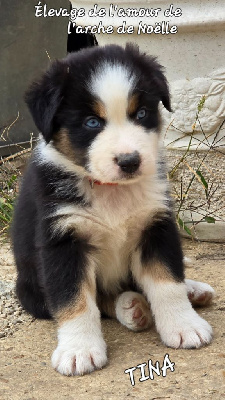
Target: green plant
x=191, y=174
x=6, y=209
x=7, y=198
x=9, y=174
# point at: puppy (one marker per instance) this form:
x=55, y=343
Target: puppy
x=94, y=229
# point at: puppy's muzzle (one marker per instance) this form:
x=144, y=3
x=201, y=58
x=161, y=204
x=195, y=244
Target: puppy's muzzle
x=128, y=162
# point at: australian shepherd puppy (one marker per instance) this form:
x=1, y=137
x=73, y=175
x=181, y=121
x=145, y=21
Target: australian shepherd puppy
x=94, y=231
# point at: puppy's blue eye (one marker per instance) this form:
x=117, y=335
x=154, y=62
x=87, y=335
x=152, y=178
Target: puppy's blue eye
x=93, y=123
x=141, y=113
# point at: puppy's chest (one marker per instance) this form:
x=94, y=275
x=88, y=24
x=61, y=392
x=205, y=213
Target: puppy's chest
x=120, y=213
x=114, y=217
x=112, y=223
x=115, y=232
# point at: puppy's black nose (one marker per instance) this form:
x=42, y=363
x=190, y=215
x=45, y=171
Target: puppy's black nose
x=128, y=162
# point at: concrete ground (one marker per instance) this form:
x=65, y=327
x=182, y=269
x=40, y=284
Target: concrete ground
x=27, y=345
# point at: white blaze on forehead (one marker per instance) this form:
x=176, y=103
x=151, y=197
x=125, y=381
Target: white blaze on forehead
x=112, y=84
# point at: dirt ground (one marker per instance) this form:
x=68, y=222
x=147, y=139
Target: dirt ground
x=27, y=345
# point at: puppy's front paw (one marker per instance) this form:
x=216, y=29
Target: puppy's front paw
x=79, y=359
x=186, y=331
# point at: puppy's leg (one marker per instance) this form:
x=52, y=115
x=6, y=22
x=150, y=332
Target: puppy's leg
x=130, y=308
x=199, y=293
x=81, y=347
x=70, y=284
x=158, y=268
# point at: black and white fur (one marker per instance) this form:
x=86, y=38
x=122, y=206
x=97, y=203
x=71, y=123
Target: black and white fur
x=94, y=231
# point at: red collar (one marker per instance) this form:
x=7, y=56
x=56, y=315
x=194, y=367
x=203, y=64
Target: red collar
x=96, y=182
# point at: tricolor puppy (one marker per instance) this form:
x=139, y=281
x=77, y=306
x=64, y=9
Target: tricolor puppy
x=94, y=231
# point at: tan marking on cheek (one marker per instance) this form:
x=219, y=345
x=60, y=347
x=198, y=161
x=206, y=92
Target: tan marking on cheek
x=62, y=143
x=132, y=104
x=100, y=109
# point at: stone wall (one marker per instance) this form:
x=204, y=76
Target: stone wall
x=26, y=43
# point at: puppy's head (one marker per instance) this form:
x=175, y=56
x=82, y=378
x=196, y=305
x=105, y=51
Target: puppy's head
x=99, y=108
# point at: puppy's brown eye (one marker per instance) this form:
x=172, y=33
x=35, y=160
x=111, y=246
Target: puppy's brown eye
x=92, y=122
x=141, y=113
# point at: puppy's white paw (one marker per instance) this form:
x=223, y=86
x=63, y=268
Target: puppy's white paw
x=187, y=330
x=133, y=311
x=176, y=321
x=199, y=293
x=79, y=359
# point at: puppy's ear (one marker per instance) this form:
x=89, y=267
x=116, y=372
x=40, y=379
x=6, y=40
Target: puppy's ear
x=44, y=97
x=163, y=88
